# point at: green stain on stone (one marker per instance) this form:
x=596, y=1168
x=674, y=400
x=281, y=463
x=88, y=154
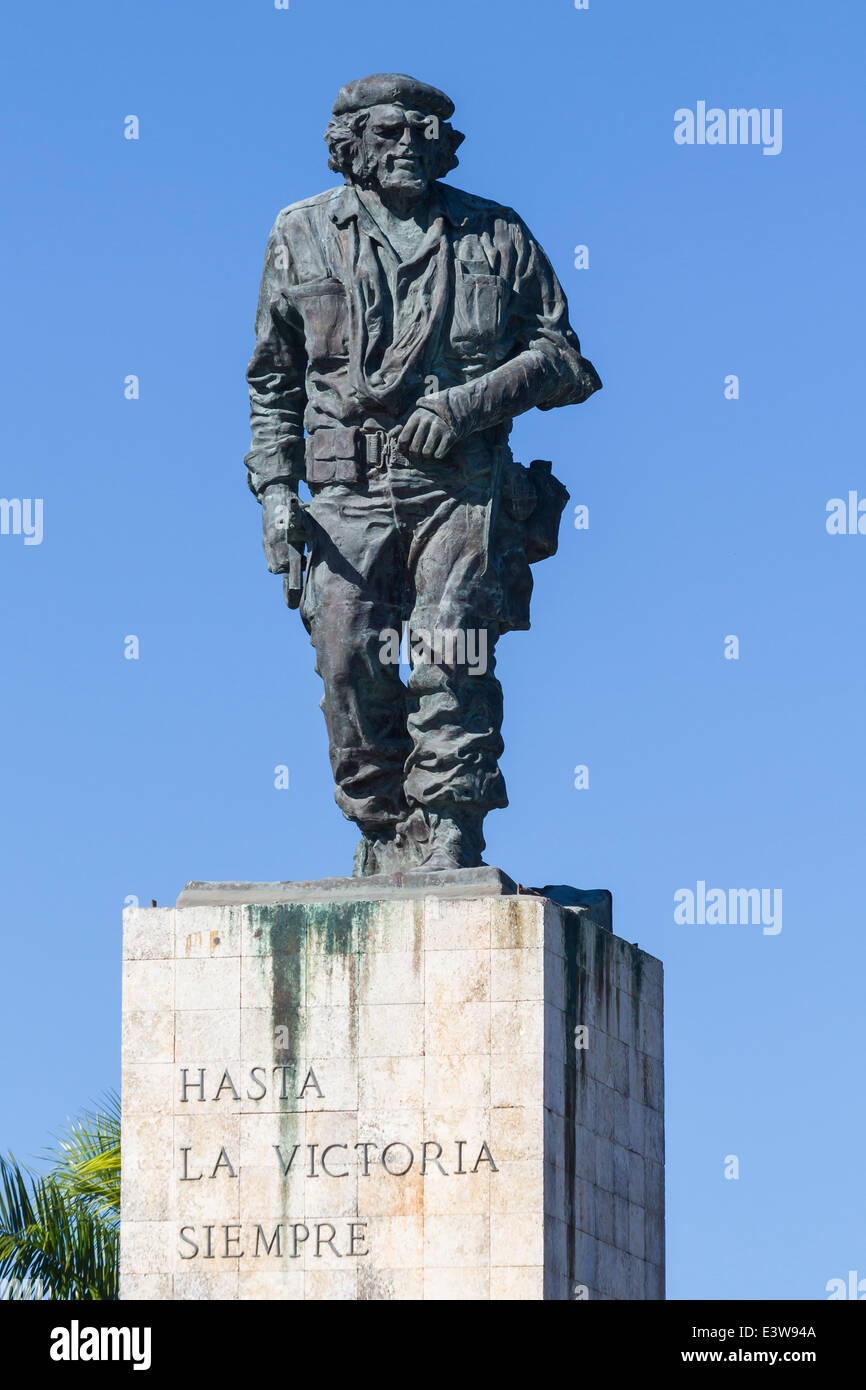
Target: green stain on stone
x=280, y=933
x=289, y=936
x=637, y=982
x=603, y=954
x=331, y=927
x=575, y=1078
x=637, y=968
x=281, y=960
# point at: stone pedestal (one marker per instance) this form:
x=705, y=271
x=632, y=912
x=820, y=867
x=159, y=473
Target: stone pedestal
x=420, y=1098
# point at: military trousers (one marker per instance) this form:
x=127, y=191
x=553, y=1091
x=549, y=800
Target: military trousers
x=408, y=547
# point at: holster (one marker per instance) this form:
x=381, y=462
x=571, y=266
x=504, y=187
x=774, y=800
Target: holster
x=535, y=498
x=542, y=524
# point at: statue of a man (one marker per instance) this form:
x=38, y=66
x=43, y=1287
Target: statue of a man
x=402, y=325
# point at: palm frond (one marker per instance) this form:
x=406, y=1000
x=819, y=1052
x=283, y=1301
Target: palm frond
x=87, y=1159
x=59, y=1231
x=50, y=1241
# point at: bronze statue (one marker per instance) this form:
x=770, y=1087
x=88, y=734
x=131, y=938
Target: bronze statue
x=402, y=325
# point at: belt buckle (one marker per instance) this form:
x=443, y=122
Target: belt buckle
x=373, y=444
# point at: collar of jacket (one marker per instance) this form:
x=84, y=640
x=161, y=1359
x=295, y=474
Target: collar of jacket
x=348, y=206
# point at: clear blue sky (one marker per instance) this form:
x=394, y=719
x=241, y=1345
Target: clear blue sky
x=707, y=518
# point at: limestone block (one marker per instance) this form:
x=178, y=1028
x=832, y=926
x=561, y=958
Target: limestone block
x=423, y=1097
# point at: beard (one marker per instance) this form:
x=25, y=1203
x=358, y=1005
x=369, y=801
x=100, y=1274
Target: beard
x=387, y=174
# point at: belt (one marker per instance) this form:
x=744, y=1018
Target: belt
x=348, y=442
x=344, y=453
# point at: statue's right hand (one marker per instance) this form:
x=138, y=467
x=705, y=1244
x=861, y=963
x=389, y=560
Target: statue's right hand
x=280, y=526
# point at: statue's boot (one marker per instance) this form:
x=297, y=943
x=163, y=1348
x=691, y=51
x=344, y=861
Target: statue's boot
x=377, y=852
x=447, y=838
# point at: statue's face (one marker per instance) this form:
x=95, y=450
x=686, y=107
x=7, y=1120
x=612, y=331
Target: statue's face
x=399, y=148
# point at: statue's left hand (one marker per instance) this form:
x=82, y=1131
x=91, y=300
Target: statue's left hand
x=426, y=435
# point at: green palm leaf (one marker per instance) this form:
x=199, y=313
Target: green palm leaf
x=59, y=1231
x=87, y=1160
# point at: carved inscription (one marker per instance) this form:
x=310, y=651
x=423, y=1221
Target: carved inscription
x=288, y=1239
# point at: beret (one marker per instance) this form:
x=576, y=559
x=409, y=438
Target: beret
x=383, y=88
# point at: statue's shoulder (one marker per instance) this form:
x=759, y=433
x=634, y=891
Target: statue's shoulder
x=308, y=206
x=476, y=209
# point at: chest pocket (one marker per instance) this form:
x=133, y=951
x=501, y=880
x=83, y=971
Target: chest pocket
x=478, y=309
x=323, y=310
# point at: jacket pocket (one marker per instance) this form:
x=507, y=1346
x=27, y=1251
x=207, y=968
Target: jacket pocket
x=323, y=310
x=478, y=308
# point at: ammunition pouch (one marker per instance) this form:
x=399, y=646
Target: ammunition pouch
x=342, y=454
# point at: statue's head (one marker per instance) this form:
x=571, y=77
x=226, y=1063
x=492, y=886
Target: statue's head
x=391, y=133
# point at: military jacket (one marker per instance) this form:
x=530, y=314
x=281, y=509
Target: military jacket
x=474, y=325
